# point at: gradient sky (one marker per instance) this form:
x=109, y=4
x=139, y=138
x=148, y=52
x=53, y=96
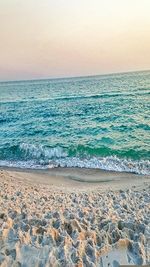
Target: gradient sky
x=57, y=38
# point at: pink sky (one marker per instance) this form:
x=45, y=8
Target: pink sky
x=44, y=39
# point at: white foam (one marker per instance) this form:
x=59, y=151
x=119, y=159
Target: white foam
x=59, y=159
x=30, y=164
x=39, y=151
x=111, y=163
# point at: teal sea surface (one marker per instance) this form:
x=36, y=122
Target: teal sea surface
x=93, y=122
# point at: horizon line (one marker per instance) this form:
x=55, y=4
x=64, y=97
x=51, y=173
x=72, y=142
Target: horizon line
x=73, y=77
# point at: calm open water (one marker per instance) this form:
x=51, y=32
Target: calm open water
x=93, y=122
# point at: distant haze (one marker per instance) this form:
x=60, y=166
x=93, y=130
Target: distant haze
x=57, y=38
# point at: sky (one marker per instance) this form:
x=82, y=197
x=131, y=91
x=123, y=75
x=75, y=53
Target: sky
x=63, y=38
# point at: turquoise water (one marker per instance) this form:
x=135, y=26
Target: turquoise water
x=93, y=122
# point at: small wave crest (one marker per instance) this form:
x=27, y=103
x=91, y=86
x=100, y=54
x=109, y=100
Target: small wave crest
x=42, y=152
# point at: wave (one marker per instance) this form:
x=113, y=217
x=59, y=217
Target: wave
x=62, y=98
x=74, y=97
x=22, y=164
x=104, y=95
x=27, y=151
x=108, y=164
x=111, y=163
x=40, y=151
x=41, y=157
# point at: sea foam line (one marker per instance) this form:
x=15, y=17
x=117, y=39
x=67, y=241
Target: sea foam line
x=108, y=163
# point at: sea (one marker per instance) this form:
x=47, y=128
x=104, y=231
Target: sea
x=100, y=122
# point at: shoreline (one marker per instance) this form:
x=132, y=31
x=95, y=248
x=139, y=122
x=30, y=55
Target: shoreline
x=49, y=218
x=79, y=177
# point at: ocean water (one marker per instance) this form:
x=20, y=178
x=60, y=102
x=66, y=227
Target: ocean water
x=93, y=122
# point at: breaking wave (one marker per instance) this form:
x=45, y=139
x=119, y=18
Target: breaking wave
x=41, y=157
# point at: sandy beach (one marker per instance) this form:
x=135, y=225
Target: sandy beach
x=74, y=217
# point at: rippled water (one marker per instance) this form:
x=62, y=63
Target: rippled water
x=96, y=122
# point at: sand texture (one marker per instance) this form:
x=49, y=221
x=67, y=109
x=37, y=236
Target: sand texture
x=57, y=220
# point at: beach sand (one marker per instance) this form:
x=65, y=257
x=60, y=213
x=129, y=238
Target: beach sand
x=74, y=217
